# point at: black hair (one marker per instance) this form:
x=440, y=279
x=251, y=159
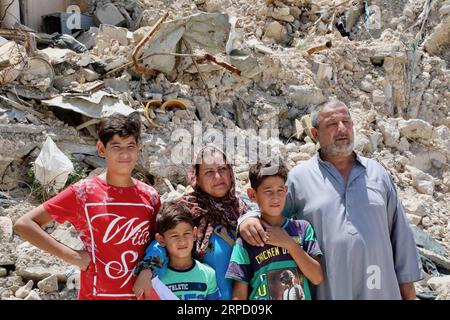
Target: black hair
x=265, y=169
x=124, y=126
x=172, y=213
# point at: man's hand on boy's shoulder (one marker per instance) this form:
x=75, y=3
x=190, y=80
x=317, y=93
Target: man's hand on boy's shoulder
x=252, y=231
x=143, y=284
x=80, y=258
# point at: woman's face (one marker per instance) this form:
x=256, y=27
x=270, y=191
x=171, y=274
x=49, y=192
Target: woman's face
x=214, y=176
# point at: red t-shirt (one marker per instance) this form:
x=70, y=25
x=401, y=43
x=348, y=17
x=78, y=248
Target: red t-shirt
x=115, y=225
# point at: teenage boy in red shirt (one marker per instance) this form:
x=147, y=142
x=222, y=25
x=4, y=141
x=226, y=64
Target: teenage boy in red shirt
x=114, y=215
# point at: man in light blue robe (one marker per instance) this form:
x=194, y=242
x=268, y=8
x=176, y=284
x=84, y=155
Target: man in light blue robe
x=353, y=205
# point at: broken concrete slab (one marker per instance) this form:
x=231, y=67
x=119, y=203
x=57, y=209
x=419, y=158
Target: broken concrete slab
x=88, y=37
x=89, y=74
x=246, y=63
x=57, y=55
x=49, y=284
x=437, y=282
x=164, y=41
x=425, y=240
x=208, y=31
x=109, y=14
x=415, y=129
x=108, y=33
x=35, y=264
x=305, y=95
x=423, y=182
x=97, y=105
x=202, y=32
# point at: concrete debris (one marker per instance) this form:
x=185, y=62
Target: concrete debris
x=13, y=58
x=97, y=105
x=191, y=69
x=6, y=231
x=33, y=295
x=49, y=284
x=109, y=14
x=24, y=291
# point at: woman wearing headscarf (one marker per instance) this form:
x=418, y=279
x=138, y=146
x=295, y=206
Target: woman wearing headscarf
x=215, y=207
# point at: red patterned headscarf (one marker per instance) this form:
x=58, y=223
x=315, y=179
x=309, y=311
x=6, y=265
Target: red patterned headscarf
x=208, y=211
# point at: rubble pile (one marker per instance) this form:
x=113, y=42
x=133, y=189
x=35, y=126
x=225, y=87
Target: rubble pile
x=241, y=66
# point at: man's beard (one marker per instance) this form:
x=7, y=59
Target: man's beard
x=333, y=150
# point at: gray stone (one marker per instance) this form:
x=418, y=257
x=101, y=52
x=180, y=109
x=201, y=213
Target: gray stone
x=436, y=282
x=323, y=71
x=89, y=74
x=49, y=284
x=109, y=14
x=33, y=295
x=425, y=240
x=415, y=129
x=439, y=37
x=378, y=97
x=390, y=132
x=204, y=109
x=33, y=263
x=403, y=145
x=413, y=219
x=88, y=37
x=351, y=16
x=117, y=84
x=68, y=236
x=12, y=282
x=117, y=33
x=275, y=30
x=8, y=254
x=6, y=229
x=439, y=260
x=3, y=272
x=305, y=95
x=444, y=10
x=23, y=292
x=423, y=182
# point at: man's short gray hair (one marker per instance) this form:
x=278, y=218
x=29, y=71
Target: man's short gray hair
x=329, y=104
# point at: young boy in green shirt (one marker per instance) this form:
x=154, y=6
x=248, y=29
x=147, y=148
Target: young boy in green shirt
x=186, y=277
x=281, y=269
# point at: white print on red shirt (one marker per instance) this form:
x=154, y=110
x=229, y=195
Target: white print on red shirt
x=119, y=235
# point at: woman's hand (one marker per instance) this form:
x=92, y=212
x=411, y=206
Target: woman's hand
x=252, y=231
x=143, y=284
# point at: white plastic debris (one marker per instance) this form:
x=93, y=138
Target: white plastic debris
x=52, y=167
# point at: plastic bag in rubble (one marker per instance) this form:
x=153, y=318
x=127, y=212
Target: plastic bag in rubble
x=52, y=167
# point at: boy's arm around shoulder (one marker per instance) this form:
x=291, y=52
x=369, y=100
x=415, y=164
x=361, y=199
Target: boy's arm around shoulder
x=29, y=228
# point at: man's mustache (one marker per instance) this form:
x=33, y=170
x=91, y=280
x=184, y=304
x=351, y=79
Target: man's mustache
x=342, y=137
